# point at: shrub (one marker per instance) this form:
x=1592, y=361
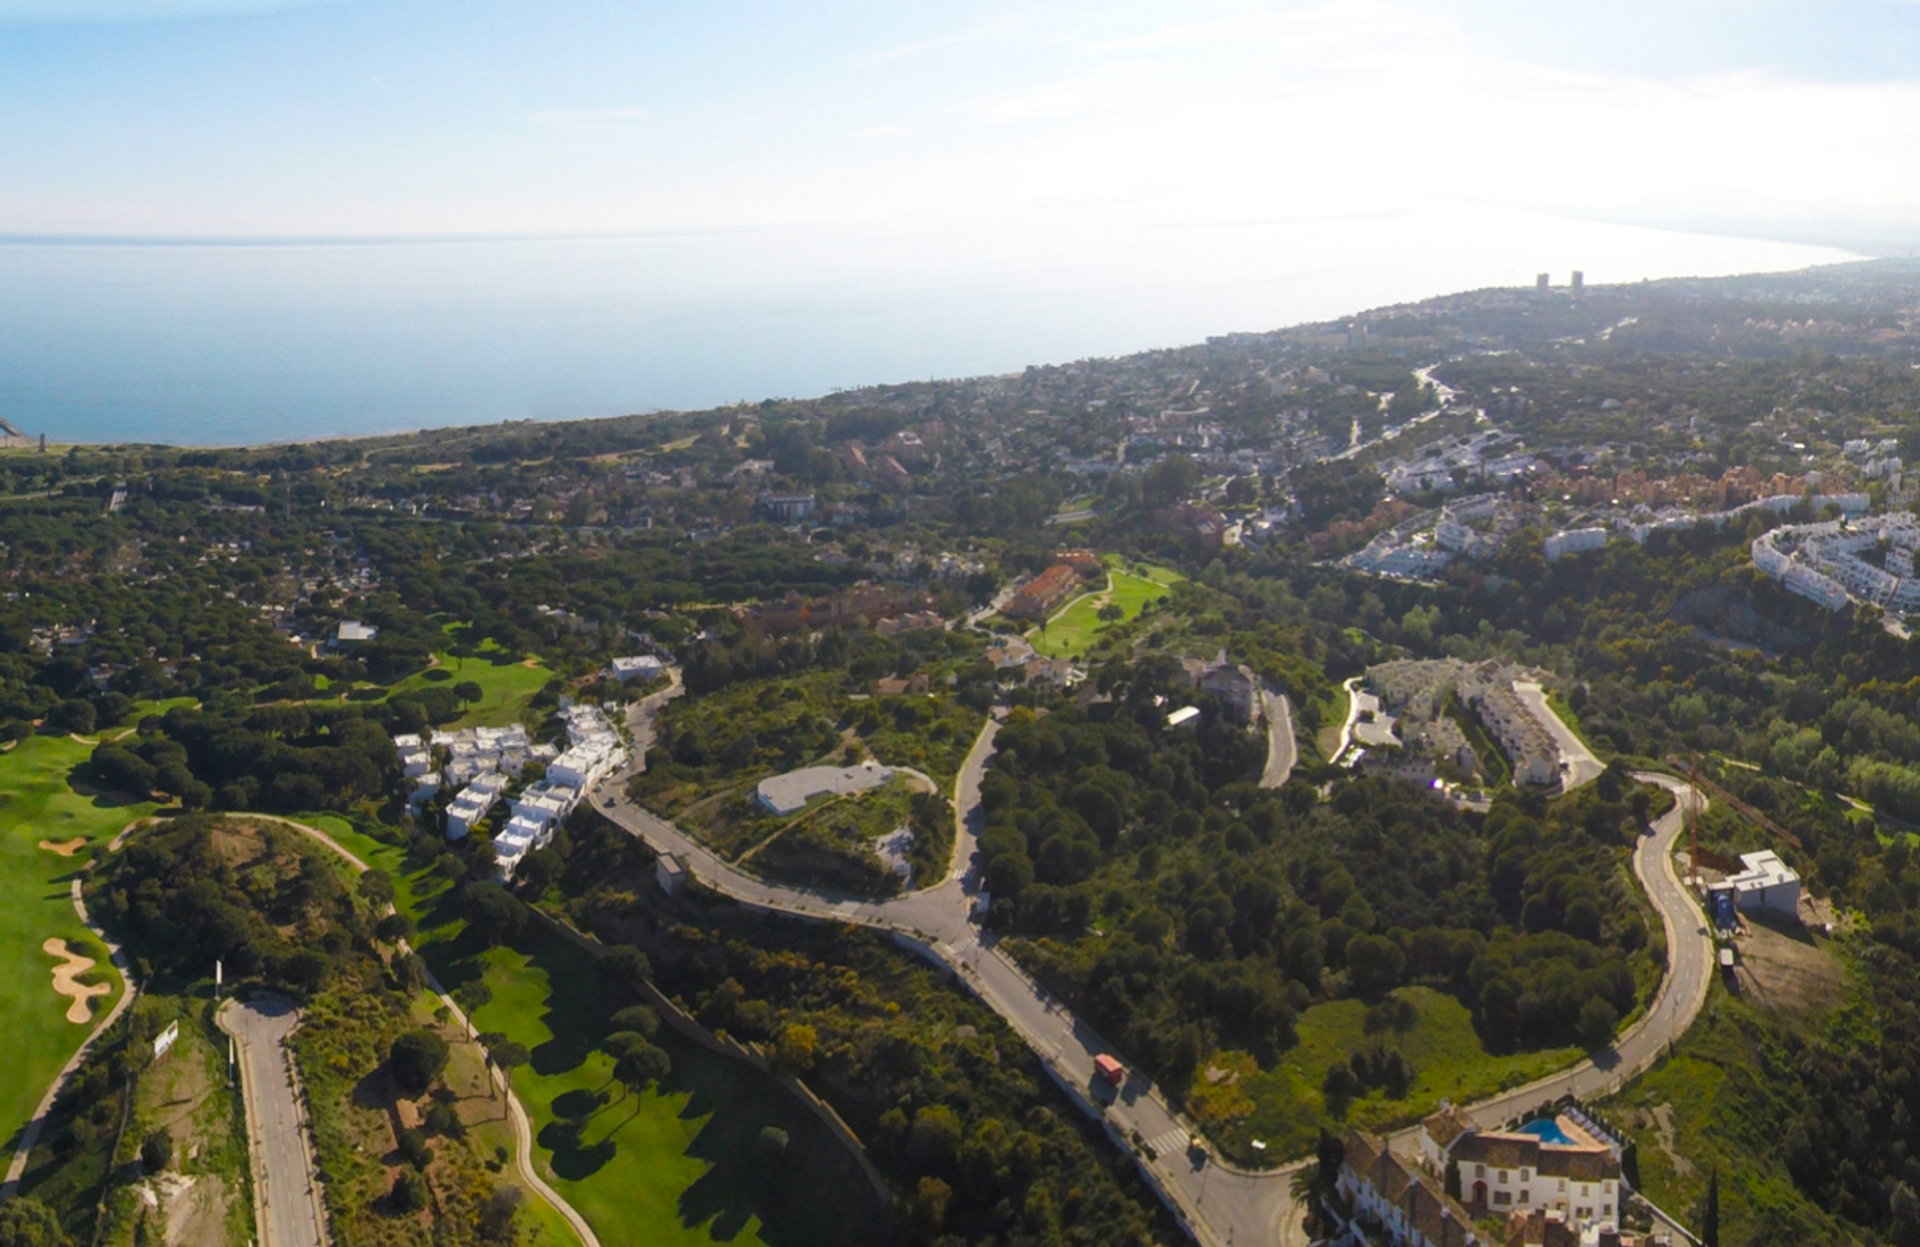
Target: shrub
x=156, y=1151
x=412, y=1146
x=496, y=1215
x=416, y=1059
x=496, y=915
x=29, y=1223
x=409, y=1193
x=637, y=1018
x=443, y=1121
x=72, y=716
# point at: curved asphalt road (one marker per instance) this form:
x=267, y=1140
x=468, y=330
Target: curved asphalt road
x=1220, y=1205
x=1281, y=749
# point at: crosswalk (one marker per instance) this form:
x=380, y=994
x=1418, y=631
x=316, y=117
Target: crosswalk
x=964, y=945
x=1168, y=1142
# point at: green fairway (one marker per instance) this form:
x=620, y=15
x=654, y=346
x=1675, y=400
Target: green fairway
x=507, y=684
x=38, y=801
x=1282, y=1106
x=1073, y=631
x=676, y=1164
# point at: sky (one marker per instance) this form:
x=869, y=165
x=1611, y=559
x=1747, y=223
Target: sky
x=381, y=119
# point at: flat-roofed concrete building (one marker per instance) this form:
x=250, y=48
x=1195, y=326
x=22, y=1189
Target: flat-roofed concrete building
x=786, y=794
x=1767, y=883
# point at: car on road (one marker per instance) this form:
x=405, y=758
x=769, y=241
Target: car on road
x=1109, y=1070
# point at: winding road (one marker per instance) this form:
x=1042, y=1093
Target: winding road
x=1282, y=751
x=1220, y=1204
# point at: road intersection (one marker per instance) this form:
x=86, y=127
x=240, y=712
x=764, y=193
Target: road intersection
x=1219, y=1203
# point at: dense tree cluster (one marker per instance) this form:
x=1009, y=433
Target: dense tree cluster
x=260, y=900
x=272, y=757
x=1187, y=910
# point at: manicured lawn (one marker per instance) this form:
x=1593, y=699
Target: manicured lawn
x=507, y=684
x=38, y=802
x=1282, y=1106
x=1073, y=631
x=677, y=1164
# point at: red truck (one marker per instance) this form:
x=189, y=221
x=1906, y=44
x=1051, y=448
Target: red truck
x=1109, y=1070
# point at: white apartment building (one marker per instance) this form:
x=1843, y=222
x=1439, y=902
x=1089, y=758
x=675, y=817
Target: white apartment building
x=1767, y=883
x=473, y=802
x=1574, y=541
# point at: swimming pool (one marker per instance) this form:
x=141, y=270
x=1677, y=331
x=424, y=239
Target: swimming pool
x=1547, y=1129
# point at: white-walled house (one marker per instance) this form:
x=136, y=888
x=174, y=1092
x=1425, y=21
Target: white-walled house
x=638, y=667
x=1555, y=1164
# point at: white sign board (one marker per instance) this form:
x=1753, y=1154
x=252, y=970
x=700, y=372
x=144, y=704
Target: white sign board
x=166, y=1040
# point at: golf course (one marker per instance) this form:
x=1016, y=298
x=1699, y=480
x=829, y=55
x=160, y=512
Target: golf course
x=678, y=1163
x=1073, y=631
x=507, y=684
x=45, y=799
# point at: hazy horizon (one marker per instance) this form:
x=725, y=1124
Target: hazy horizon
x=270, y=219
x=217, y=344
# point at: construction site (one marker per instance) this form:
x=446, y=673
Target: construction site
x=1763, y=920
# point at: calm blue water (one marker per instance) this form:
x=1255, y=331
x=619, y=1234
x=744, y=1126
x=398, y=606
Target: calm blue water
x=207, y=344
x=1548, y=1130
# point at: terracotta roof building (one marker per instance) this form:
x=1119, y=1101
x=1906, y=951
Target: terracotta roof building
x=1397, y=1203
x=1039, y=596
x=1554, y=1164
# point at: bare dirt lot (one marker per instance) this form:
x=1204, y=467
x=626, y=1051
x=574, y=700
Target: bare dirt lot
x=1781, y=967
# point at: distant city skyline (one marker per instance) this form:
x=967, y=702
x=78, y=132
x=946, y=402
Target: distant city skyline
x=233, y=118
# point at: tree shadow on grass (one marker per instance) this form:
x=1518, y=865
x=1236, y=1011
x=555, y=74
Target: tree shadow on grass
x=579, y=1003
x=574, y=1159
x=84, y=782
x=580, y=1105
x=809, y=1195
x=812, y=1195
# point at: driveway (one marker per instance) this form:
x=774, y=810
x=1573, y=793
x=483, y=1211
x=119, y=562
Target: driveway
x=286, y=1188
x=1582, y=766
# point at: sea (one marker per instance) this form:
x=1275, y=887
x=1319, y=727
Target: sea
x=220, y=341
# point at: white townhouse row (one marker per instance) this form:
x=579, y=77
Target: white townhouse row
x=485, y=760
x=536, y=813
x=1825, y=562
x=470, y=752
x=594, y=750
x=473, y=803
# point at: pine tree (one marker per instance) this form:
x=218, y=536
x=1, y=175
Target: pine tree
x=1710, y=1216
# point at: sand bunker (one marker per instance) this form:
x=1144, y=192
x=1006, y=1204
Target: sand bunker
x=65, y=980
x=67, y=848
